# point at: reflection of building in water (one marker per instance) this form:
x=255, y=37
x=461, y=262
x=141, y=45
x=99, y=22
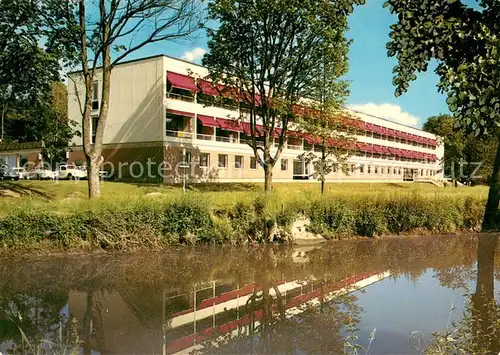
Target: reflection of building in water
x=124, y=322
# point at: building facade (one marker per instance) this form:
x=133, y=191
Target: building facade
x=163, y=124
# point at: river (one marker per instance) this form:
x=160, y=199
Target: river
x=375, y=296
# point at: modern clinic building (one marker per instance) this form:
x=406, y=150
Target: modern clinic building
x=161, y=122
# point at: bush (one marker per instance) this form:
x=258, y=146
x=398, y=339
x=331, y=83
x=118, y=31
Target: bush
x=331, y=217
x=153, y=223
x=189, y=220
x=370, y=220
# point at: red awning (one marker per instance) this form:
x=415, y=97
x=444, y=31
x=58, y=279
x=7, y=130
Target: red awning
x=378, y=149
x=432, y=157
x=180, y=113
x=312, y=139
x=247, y=129
x=392, y=132
x=370, y=149
x=208, y=121
x=399, y=134
x=371, y=127
x=229, y=125
x=406, y=153
x=384, y=131
x=386, y=150
x=181, y=81
x=208, y=88
x=393, y=151
x=277, y=132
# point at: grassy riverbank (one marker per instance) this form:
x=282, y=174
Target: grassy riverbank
x=38, y=215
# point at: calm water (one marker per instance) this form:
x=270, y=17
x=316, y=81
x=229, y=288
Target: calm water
x=260, y=300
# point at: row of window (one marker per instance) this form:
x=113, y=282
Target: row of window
x=230, y=104
x=239, y=163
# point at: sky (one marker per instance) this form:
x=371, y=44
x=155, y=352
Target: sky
x=370, y=74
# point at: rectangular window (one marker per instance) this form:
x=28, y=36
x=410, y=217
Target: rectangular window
x=95, y=95
x=376, y=170
x=238, y=162
x=222, y=160
x=204, y=160
x=369, y=169
x=353, y=168
x=185, y=159
x=253, y=163
x=94, y=127
x=284, y=164
x=361, y=169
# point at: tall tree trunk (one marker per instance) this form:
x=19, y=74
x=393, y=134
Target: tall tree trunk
x=490, y=215
x=268, y=178
x=93, y=177
x=323, y=162
x=268, y=166
x=4, y=108
x=483, y=300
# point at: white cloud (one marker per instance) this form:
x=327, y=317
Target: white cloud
x=387, y=111
x=194, y=55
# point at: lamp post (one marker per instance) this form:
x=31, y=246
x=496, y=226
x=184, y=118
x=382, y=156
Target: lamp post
x=184, y=167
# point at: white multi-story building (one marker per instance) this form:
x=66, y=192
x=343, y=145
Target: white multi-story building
x=163, y=123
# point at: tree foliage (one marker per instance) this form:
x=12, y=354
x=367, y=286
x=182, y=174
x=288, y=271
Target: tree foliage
x=464, y=40
x=273, y=52
x=463, y=152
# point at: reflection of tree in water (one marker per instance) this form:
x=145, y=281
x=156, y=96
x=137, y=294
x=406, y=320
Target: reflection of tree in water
x=479, y=330
x=313, y=327
x=33, y=322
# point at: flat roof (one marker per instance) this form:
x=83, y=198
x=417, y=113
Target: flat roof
x=145, y=58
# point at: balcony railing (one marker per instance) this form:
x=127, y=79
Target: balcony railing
x=180, y=97
x=179, y=134
x=226, y=139
x=294, y=147
x=205, y=137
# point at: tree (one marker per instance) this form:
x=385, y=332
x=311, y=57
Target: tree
x=327, y=123
x=27, y=69
x=269, y=53
x=464, y=42
x=57, y=129
x=95, y=37
x=463, y=152
x=328, y=128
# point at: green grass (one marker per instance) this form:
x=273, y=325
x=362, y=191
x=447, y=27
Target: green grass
x=65, y=196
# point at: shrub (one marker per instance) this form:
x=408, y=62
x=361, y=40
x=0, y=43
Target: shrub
x=330, y=217
x=186, y=219
x=370, y=220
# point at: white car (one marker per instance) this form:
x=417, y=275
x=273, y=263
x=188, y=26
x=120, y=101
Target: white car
x=44, y=174
x=71, y=172
x=23, y=173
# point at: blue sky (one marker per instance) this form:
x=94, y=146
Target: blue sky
x=370, y=71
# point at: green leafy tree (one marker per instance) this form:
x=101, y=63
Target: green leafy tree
x=328, y=129
x=100, y=35
x=27, y=69
x=327, y=122
x=57, y=128
x=272, y=52
x=464, y=40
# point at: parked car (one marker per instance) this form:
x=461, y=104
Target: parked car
x=42, y=173
x=7, y=173
x=71, y=172
x=23, y=173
